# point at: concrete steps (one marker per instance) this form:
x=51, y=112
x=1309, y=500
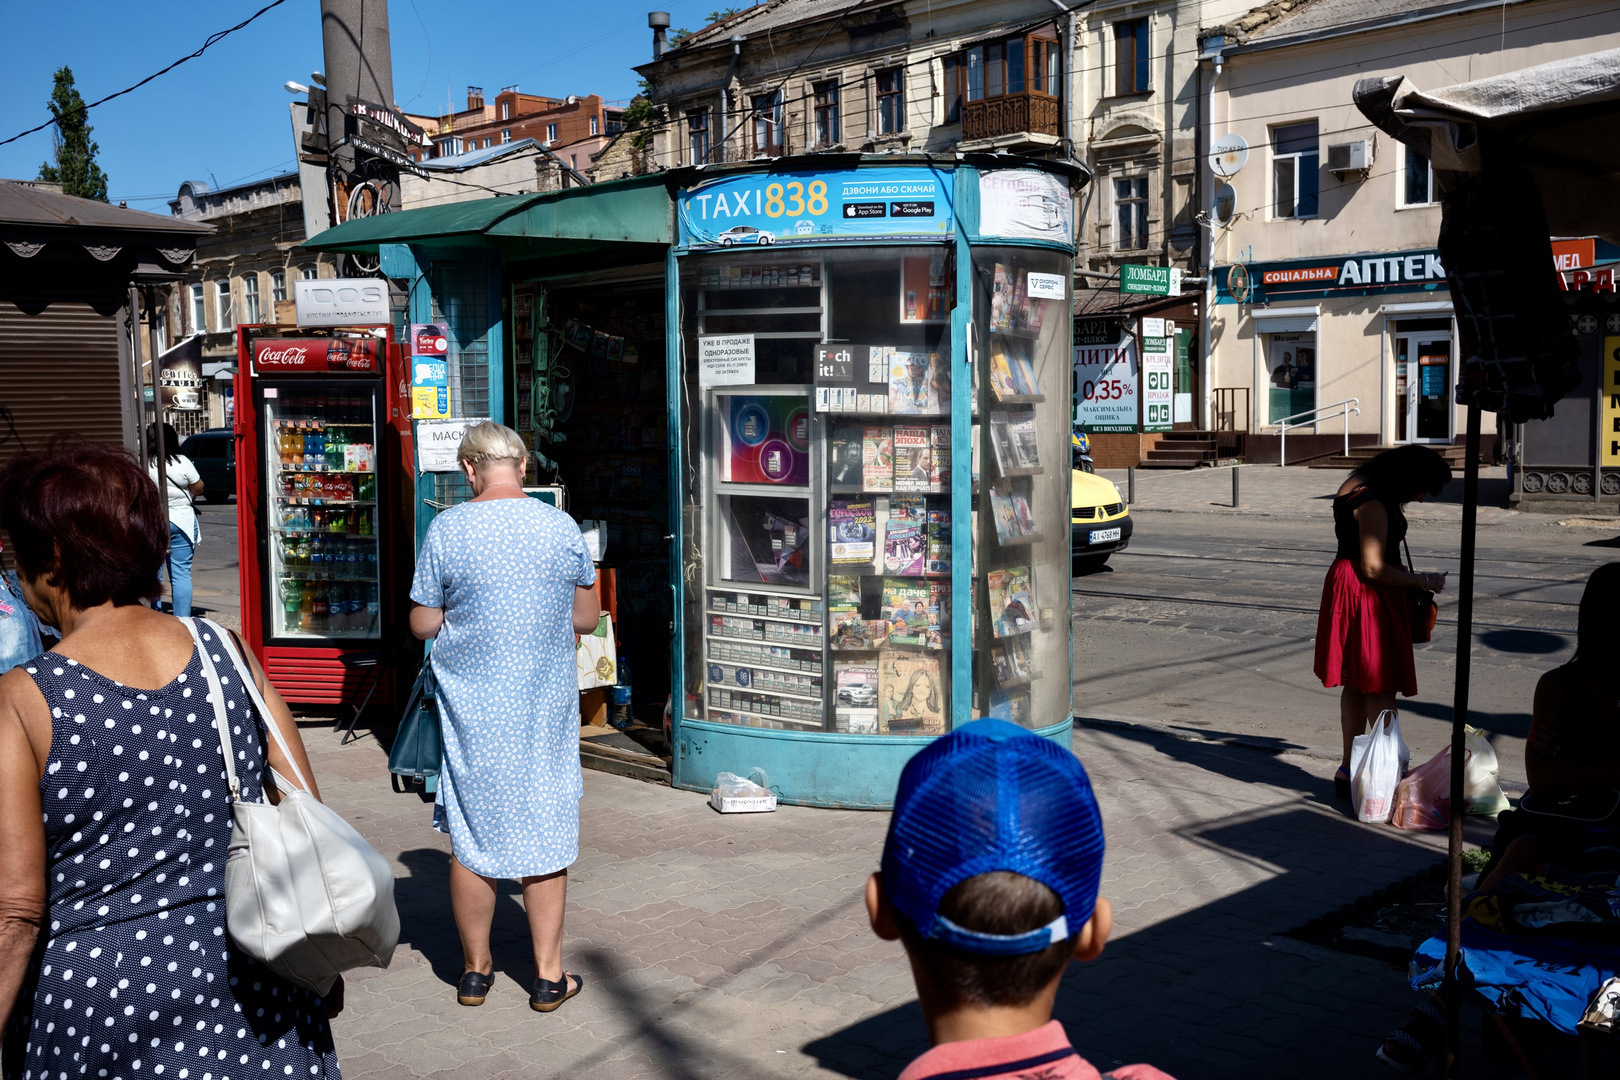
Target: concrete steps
x=1360, y=455
x=1181, y=450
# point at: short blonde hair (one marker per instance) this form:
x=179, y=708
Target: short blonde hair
x=487, y=441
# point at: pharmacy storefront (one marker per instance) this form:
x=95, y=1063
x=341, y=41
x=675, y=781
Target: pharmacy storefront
x=1307, y=336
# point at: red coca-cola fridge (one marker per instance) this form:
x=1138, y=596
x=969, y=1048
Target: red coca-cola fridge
x=323, y=510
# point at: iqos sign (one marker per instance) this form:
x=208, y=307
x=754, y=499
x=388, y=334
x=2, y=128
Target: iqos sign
x=341, y=302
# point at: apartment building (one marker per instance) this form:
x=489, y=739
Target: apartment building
x=572, y=128
x=1328, y=284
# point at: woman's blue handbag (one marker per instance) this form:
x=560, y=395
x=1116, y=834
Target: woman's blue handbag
x=418, y=752
x=19, y=631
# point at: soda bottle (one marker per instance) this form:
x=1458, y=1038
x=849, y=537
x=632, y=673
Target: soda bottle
x=363, y=528
x=317, y=554
x=336, y=521
x=292, y=599
x=303, y=553
x=306, y=608
x=321, y=614
x=334, y=449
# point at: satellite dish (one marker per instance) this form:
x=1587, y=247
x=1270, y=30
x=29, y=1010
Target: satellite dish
x=1223, y=206
x=1228, y=154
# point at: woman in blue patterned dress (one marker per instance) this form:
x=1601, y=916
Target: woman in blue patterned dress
x=503, y=583
x=114, y=814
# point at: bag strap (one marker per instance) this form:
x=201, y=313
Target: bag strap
x=216, y=694
x=1408, y=549
x=246, y=677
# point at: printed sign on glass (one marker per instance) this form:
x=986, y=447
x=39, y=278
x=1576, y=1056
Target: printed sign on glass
x=1105, y=382
x=769, y=437
x=786, y=208
x=1026, y=204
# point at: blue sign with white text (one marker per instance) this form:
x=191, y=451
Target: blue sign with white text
x=785, y=208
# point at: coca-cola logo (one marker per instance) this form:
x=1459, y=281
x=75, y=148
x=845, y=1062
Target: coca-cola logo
x=291, y=356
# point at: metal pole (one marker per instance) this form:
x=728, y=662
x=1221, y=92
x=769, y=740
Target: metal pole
x=1347, y=431
x=1282, y=447
x=1234, y=486
x=158, y=446
x=1459, y=718
x=1130, y=484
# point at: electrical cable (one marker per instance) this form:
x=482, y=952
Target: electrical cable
x=212, y=39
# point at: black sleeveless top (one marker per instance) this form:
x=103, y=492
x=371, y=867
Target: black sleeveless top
x=1348, y=530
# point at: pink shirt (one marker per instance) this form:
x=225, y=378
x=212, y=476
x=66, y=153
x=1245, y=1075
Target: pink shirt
x=1042, y=1054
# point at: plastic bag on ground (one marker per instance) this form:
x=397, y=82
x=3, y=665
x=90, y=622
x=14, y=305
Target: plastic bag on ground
x=1378, y=760
x=1423, y=798
x=734, y=795
x=1481, y=793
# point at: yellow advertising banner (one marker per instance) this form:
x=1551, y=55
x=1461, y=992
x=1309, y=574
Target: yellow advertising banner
x=1611, y=401
x=430, y=402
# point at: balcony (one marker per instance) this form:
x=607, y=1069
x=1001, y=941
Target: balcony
x=1010, y=122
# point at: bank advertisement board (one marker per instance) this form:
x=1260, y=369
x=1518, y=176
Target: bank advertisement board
x=1338, y=275
x=815, y=207
x=1106, y=382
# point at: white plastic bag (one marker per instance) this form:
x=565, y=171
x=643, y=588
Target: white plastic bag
x=734, y=795
x=1378, y=760
x=1481, y=793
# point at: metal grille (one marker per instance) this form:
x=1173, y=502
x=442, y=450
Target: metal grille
x=460, y=299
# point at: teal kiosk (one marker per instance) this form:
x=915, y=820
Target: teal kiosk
x=856, y=437
x=870, y=390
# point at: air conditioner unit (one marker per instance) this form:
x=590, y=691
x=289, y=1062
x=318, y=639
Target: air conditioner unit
x=1349, y=157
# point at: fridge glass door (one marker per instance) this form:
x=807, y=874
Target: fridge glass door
x=320, y=470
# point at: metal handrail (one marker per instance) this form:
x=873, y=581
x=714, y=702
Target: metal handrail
x=1347, y=407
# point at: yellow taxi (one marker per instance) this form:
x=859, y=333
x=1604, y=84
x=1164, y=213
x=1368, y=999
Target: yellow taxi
x=1100, y=521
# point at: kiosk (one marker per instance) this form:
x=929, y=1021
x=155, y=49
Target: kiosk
x=839, y=498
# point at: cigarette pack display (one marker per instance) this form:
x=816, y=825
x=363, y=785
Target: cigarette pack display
x=856, y=704
x=877, y=371
x=852, y=527
x=877, y=458
x=911, y=693
x=1011, y=605
x=917, y=382
x=905, y=609
x=913, y=459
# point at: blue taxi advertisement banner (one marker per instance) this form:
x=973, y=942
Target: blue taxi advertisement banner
x=786, y=208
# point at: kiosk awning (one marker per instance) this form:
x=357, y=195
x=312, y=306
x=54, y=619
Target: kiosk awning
x=636, y=210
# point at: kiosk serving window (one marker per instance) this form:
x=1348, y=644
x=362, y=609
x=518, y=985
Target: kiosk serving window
x=817, y=512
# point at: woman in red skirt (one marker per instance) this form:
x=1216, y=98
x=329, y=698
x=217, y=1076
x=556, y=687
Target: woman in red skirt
x=1364, y=627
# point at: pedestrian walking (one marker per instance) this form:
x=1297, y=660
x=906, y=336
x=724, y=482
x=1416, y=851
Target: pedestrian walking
x=1364, y=624
x=115, y=816
x=503, y=583
x=184, y=484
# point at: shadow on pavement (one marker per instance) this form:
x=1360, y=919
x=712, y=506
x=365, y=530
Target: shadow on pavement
x=1217, y=990
x=1531, y=642
x=427, y=925
x=1497, y=723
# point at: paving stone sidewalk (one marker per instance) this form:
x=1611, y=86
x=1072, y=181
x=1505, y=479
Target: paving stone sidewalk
x=717, y=947
x=1300, y=492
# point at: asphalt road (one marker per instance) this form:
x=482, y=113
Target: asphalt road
x=1206, y=626
x=214, y=568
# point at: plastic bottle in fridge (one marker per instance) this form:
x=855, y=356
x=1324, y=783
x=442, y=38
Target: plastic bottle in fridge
x=306, y=608
x=321, y=613
x=292, y=599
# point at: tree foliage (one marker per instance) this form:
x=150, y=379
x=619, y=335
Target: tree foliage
x=75, y=169
x=710, y=19
x=638, y=116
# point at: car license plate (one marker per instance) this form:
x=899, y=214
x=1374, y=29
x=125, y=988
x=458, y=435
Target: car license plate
x=1103, y=536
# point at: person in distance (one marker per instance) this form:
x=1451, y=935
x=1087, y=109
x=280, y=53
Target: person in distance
x=991, y=901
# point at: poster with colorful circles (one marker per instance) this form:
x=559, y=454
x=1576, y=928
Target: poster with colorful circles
x=770, y=439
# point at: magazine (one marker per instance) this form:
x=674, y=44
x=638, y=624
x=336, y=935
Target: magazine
x=844, y=464
x=1000, y=298
x=905, y=609
x=852, y=524
x=1012, y=608
x=1005, y=514
x=915, y=377
x=1001, y=442
x=1026, y=445
x=939, y=607
x=877, y=458
x=911, y=693
x=939, y=541
x=1010, y=705
x=849, y=632
x=1022, y=513
x=1018, y=657
x=843, y=590
x=913, y=458
x=939, y=452
x=855, y=708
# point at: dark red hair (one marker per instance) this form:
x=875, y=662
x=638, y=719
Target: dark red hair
x=90, y=518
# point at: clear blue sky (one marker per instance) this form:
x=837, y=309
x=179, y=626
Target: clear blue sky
x=223, y=116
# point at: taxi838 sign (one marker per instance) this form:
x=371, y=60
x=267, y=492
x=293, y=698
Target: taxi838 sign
x=815, y=207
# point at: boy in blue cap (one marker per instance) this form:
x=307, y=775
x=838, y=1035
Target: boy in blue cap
x=989, y=880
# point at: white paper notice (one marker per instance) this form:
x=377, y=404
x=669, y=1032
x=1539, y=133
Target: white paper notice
x=726, y=360
x=1045, y=286
x=437, y=442
x=1026, y=204
x=1152, y=327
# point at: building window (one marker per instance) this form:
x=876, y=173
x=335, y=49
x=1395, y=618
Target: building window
x=614, y=126
x=222, y=305
x=594, y=126
x=308, y=273
x=278, y=285
x=506, y=110
x=1294, y=167
x=1130, y=212
x=827, y=127
x=250, y=298
x=891, y=101
x=160, y=330
x=199, y=314
x=768, y=123
x=551, y=133
x=1131, y=56
x=1045, y=66
x=697, y=135
x=1417, y=187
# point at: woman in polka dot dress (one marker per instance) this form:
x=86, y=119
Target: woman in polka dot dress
x=114, y=817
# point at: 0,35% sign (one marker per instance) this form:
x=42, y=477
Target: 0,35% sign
x=1106, y=390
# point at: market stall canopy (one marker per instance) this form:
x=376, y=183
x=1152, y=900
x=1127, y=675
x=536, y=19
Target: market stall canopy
x=39, y=225
x=631, y=211
x=1519, y=157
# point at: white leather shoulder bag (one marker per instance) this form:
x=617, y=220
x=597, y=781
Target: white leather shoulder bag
x=304, y=892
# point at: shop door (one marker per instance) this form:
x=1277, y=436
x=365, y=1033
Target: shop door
x=1423, y=384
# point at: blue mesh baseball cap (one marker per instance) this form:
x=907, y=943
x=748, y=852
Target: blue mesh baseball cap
x=991, y=796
